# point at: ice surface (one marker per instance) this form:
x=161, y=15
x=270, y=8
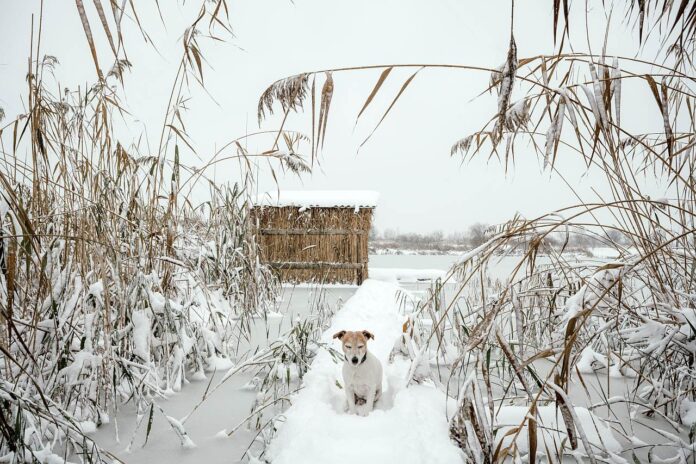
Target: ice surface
x=406, y=275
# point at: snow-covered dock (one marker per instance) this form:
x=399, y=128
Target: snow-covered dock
x=409, y=424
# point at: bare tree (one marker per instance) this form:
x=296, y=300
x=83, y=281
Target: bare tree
x=477, y=234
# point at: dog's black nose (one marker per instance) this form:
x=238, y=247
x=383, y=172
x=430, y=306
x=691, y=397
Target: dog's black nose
x=355, y=360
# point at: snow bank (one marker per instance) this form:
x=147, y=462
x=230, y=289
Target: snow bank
x=409, y=424
x=592, y=292
x=304, y=199
x=406, y=275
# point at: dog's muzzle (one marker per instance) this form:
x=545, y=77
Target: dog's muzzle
x=355, y=361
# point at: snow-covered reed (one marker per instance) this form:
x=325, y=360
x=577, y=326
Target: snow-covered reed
x=114, y=287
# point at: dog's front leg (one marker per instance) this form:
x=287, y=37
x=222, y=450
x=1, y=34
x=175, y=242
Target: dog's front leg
x=366, y=408
x=350, y=400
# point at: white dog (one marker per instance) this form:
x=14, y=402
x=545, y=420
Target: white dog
x=362, y=372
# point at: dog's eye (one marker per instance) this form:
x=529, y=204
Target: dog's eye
x=360, y=347
x=349, y=347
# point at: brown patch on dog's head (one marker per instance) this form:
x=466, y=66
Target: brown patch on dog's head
x=354, y=345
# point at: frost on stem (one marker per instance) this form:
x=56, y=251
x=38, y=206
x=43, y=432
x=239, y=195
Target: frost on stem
x=507, y=79
x=517, y=115
x=616, y=89
x=553, y=135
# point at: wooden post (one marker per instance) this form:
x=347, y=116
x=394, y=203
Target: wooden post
x=358, y=260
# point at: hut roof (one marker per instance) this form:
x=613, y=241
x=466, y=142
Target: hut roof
x=304, y=199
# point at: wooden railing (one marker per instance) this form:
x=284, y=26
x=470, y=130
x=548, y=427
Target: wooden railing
x=311, y=232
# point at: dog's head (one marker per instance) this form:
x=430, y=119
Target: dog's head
x=354, y=345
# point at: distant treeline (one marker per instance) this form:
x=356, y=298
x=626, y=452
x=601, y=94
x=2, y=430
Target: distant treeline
x=477, y=234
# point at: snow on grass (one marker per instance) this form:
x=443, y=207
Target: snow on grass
x=218, y=363
x=178, y=427
x=687, y=412
x=594, y=292
x=87, y=426
x=551, y=429
x=409, y=425
x=82, y=362
x=44, y=456
x=141, y=334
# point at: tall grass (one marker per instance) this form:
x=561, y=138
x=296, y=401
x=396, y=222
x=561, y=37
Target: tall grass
x=116, y=286
x=286, y=360
x=551, y=331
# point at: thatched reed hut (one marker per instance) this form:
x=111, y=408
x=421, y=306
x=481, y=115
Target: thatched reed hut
x=315, y=236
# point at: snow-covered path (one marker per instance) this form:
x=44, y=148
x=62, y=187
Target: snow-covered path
x=409, y=424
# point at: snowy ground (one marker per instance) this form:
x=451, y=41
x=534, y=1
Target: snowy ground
x=316, y=429
x=408, y=426
x=373, y=307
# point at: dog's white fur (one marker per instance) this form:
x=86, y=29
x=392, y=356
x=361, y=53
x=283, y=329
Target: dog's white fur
x=362, y=380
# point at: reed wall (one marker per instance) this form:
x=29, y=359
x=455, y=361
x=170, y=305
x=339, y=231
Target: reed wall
x=315, y=244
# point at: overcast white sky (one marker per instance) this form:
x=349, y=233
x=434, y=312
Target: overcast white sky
x=407, y=161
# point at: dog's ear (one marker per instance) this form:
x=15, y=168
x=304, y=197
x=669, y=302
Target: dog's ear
x=368, y=334
x=340, y=334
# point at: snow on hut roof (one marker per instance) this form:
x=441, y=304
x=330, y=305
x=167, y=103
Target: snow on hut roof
x=304, y=199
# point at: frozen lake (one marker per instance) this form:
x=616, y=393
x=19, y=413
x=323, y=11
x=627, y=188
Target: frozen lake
x=228, y=406
x=442, y=262
x=231, y=404
x=499, y=267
